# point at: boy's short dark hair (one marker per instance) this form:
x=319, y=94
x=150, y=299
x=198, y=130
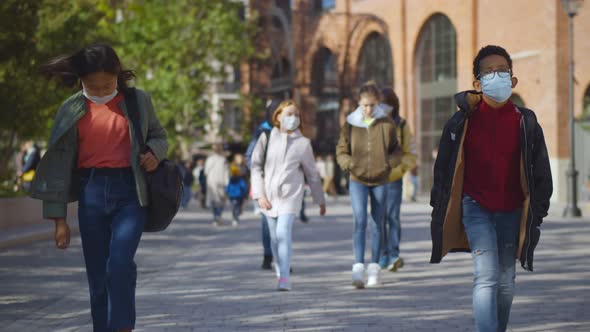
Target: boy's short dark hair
x=487, y=51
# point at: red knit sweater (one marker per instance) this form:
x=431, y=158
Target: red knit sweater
x=492, y=158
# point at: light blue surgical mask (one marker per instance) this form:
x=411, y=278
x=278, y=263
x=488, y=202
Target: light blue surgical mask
x=497, y=85
x=290, y=122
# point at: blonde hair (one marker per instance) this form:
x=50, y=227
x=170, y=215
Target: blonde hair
x=284, y=104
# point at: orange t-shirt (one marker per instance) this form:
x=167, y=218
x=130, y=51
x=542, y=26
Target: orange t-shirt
x=103, y=136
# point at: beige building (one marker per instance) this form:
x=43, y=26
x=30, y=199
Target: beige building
x=425, y=50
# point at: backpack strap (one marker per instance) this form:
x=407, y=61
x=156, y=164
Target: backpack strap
x=267, y=134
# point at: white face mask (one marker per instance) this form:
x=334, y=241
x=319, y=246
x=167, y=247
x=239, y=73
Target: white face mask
x=290, y=122
x=99, y=100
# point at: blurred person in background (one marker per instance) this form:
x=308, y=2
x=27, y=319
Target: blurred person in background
x=217, y=174
x=31, y=156
x=390, y=254
x=188, y=181
x=237, y=191
x=263, y=129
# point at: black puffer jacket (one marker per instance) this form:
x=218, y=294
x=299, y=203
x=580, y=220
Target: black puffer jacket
x=448, y=178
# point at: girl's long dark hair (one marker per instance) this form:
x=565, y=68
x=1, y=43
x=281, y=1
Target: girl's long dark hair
x=68, y=69
x=391, y=99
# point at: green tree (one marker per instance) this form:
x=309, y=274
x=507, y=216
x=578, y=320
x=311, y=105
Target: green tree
x=32, y=31
x=178, y=48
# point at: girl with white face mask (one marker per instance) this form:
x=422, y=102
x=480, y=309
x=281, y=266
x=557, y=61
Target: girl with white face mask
x=280, y=167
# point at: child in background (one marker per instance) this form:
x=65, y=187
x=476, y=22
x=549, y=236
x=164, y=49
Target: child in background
x=237, y=190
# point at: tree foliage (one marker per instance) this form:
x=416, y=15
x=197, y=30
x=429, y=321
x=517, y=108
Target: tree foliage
x=177, y=48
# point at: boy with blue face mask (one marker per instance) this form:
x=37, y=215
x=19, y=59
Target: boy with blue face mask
x=492, y=185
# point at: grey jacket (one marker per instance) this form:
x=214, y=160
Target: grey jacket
x=57, y=180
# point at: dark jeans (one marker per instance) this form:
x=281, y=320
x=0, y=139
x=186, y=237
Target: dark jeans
x=236, y=204
x=111, y=223
x=266, y=237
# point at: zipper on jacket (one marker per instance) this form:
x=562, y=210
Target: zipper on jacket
x=527, y=177
x=369, y=152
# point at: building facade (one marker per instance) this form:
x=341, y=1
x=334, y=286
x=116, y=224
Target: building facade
x=321, y=51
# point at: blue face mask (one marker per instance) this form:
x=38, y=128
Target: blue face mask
x=496, y=87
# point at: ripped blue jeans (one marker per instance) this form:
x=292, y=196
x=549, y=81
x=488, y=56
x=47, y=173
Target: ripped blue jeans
x=493, y=239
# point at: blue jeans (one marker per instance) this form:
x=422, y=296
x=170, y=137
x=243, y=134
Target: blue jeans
x=359, y=196
x=236, y=204
x=392, y=229
x=493, y=239
x=280, y=235
x=217, y=212
x=414, y=181
x=266, y=237
x=111, y=223
x=186, y=196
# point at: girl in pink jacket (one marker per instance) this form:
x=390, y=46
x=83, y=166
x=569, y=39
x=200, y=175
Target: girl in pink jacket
x=281, y=164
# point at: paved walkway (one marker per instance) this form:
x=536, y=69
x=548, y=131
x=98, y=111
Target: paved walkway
x=195, y=277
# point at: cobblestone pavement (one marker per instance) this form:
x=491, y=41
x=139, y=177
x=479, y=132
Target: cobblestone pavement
x=195, y=277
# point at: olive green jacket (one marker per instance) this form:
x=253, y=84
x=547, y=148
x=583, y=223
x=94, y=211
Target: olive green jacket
x=57, y=178
x=409, y=157
x=368, y=152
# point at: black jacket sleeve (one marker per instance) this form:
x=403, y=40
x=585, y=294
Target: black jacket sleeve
x=542, y=180
x=441, y=165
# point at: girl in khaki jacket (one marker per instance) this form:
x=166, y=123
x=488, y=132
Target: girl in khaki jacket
x=368, y=150
x=281, y=165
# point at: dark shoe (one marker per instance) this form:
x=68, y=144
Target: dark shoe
x=303, y=218
x=267, y=263
x=396, y=264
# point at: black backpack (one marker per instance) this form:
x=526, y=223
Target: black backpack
x=164, y=185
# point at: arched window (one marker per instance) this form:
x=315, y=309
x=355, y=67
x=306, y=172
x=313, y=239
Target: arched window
x=375, y=61
x=517, y=100
x=324, y=87
x=436, y=72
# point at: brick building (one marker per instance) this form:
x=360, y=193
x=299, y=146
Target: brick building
x=320, y=51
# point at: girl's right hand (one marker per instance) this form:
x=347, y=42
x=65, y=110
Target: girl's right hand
x=264, y=203
x=62, y=233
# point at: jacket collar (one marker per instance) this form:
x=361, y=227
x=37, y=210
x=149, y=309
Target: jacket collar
x=356, y=118
x=295, y=134
x=467, y=101
x=70, y=112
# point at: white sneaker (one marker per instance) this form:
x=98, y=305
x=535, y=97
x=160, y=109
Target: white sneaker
x=217, y=222
x=373, y=274
x=235, y=223
x=358, y=275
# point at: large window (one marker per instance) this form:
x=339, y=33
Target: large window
x=375, y=61
x=324, y=87
x=436, y=70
